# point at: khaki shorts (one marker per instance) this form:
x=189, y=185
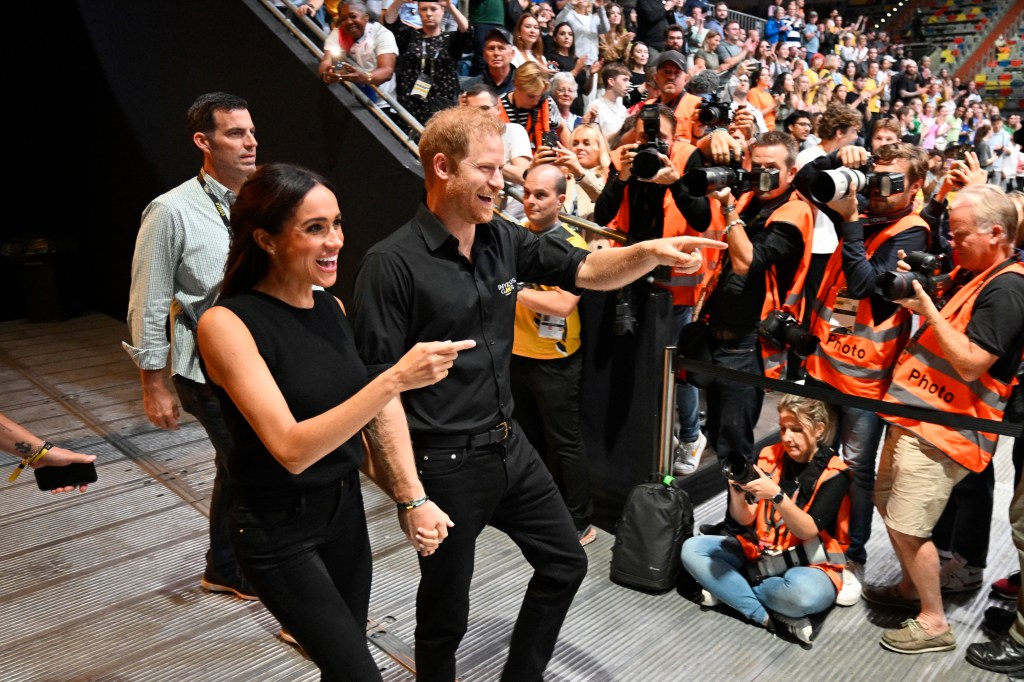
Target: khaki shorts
x=914, y=482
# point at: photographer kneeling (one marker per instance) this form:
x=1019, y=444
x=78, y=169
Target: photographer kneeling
x=861, y=332
x=793, y=506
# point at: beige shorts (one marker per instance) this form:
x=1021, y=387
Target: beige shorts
x=914, y=482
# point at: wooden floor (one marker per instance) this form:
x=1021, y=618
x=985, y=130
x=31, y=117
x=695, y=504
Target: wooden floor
x=104, y=586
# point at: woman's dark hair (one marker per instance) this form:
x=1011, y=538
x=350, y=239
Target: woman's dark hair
x=779, y=84
x=267, y=200
x=630, y=62
x=554, y=45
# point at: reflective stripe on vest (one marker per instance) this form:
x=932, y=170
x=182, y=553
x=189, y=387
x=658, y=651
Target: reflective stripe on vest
x=924, y=378
x=773, y=532
x=797, y=213
x=859, y=363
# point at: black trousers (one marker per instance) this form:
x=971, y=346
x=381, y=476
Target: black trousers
x=965, y=524
x=198, y=400
x=507, y=487
x=307, y=554
x=547, y=399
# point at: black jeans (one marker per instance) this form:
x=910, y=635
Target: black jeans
x=198, y=400
x=734, y=408
x=509, y=488
x=307, y=554
x=547, y=399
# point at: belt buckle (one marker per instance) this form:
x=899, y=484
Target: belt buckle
x=505, y=430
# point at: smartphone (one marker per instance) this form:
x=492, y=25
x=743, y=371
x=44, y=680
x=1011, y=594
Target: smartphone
x=549, y=139
x=53, y=477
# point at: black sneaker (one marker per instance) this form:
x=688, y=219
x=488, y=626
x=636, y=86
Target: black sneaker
x=239, y=587
x=999, y=620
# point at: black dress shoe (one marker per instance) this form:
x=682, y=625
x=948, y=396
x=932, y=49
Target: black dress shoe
x=1001, y=655
x=999, y=620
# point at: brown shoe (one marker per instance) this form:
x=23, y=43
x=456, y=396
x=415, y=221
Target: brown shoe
x=889, y=595
x=911, y=638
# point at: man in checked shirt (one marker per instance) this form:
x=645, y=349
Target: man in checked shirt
x=176, y=272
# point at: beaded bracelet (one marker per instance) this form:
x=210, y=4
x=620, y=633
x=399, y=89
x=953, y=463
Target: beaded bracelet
x=406, y=506
x=728, y=228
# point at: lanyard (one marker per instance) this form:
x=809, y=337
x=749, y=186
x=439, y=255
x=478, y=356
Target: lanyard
x=215, y=200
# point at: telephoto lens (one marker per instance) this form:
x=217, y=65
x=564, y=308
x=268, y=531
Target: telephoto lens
x=835, y=184
x=737, y=469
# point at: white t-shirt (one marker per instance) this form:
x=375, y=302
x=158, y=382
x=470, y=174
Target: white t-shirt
x=376, y=40
x=824, y=239
x=610, y=115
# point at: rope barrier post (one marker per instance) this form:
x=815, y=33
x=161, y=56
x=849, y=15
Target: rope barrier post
x=668, y=411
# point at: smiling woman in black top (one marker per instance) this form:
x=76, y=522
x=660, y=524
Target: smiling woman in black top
x=280, y=358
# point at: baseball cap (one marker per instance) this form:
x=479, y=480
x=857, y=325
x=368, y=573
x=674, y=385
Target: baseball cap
x=671, y=56
x=500, y=34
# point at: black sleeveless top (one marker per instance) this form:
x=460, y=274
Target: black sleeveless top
x=313, y=359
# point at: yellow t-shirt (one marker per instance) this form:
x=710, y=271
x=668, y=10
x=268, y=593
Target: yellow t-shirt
x=546, y=337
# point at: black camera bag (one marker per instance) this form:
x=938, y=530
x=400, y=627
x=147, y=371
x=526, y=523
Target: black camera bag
x=655, y=521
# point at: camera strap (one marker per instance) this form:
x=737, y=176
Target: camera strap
x=890, y=218
x=833, y=397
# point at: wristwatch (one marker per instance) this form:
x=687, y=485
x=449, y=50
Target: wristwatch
x=779, y=497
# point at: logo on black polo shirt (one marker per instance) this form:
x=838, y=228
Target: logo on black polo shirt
x=507, y=288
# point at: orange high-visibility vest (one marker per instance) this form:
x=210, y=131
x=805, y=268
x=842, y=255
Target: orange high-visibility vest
x=798, y=213
x=924, y=378
x=771, y=530
x=857, y=359
x=686, y=289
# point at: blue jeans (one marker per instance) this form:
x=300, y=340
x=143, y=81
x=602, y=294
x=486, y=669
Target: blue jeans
x=198, y=400
x=860, y=432
x=307, y=554
x=687, y=398
x=717, y=562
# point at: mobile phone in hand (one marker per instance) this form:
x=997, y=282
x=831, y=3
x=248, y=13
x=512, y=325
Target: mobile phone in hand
x=549, y=138
x=53, y=477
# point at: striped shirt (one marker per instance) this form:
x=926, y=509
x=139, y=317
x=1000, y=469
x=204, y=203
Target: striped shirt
x=176, y=272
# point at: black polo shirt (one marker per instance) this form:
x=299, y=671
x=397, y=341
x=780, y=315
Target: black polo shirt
x=415, y=286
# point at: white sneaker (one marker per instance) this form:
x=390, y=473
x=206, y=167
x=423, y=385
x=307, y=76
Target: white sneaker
x=853, y=576
x=687, y=456
x=800, y=628
x=958, y=576
x=708, y=599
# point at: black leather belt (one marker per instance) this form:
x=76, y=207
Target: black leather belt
x=498, y=434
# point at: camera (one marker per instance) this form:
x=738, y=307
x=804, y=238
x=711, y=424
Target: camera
x=737, y=469
x=624, y=321
x=647, y=162
x=701, y=181
x=926, y=268
x=712, y=112
x=780, y=330
x=841, y=182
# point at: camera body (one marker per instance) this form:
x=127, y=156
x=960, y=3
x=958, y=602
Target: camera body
x=712, y=112
x=925, y=268
x=780, y=330
x=702, y=181
x=647, y=162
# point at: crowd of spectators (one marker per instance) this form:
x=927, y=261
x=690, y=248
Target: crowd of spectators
x=427, y=55
x=596, y=90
